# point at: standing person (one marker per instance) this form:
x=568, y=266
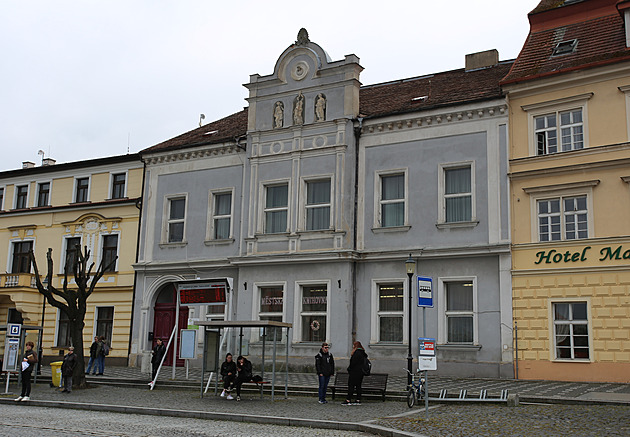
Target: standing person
x=228, y=372
x=67, y=369
x=93, y=357
x=244, y=370
x=355, y=372
x=159, y=350
x=102, y=355
x=28, y=363
x=325, y=367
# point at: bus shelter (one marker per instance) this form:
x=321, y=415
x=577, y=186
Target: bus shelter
x=14, y=349
x=213, y=330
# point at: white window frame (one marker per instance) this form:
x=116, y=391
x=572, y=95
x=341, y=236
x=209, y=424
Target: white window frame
x=255, y=334
x=37, y=186
x=74, y=187
x=552, y=329
x=557, y=105
x=101, y=242
x=166, y=218
x=584, y=188
x=262, y=219
x=442, y=168
x=297, y=309
x=443, y=319
x=111, y=183
x=378, y=196
x=304, y=199
x=96, y=320
x=10, y=257
x=212, y=216
x=64, y=249
x=15, y=194
x=375, y=313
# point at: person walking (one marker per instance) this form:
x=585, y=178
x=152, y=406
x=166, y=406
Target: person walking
x=28, y=364
x=325, y=367
x=67, y=369
x=93, y=357
x=228, y=372
x=358, y=358
x=159, y=350
x=244, y=374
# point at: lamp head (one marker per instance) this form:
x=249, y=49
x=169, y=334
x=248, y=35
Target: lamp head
x=410, y=264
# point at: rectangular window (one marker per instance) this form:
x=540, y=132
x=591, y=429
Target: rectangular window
x=314, y=307
x=21, y=261
x=559, y=132
x=563, y=218
x=82, y=188
x=105, y=322
x=21, y=197
x=118, y=186
x=222, y=216
x=14, y=316
x=392, y=201
x=318, y=205
x=1, y=198
x=110, y=251
x=458, y=194
x=390, y=312
x=73, y=246
x=271, y=305
x=571, y=330
x=43, y=194
x=176, y=220
x=459, y=312
x=63, y=330
x=276, y=208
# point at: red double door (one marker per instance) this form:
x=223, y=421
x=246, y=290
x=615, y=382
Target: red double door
x=163, y=327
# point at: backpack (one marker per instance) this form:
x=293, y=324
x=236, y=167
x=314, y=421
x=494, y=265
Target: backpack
x=366, y=367
x=105, y=349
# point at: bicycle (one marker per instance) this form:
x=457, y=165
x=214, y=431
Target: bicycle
x=415, y=391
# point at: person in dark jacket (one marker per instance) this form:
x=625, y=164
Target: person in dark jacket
x=325, y=367
x=67, y=369
x=28, y=364
x=159, y=350
x=93, y=357
x=355, y=372
x=228, y=372
x=244, y=374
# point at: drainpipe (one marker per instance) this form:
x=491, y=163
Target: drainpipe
x=357, y=136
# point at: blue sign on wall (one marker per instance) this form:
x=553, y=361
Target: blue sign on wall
x=425, y=291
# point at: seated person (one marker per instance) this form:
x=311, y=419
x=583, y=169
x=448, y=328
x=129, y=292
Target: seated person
x=244, y=369
x=228, y=372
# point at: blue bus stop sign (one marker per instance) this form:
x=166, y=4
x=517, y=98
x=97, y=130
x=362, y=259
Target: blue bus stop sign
x=425, y=291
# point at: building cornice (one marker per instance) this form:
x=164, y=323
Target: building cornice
x=193, y=152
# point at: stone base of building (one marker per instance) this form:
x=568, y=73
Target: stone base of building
x=574, y=371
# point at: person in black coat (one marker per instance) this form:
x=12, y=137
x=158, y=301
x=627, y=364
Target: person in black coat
x=325, y=367
x=93, y=357
x=67, y=369
x=244, y=369
x=228, y=372
x=159, y=350
x=355, y=372
x=28, y=363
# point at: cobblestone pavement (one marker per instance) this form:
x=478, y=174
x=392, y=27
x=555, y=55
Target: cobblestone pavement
x=522, y=421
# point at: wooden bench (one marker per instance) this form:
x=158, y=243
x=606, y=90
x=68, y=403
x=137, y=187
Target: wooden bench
x=259, y=385
x=373, y=383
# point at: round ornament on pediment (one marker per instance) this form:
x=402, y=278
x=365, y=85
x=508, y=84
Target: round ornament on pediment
x=320, y=141
x=299, y=70
x=91, y=225
x=276, y=147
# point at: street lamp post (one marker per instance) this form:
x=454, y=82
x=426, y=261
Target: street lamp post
x=41, y=333
x=410, y=265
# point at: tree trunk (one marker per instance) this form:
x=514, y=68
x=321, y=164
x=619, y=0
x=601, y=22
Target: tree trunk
x=76, y=333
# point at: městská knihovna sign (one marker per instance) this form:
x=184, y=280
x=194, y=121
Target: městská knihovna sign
x=552, y=256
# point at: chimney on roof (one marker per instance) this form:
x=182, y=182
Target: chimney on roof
x=28, y=164
x=476, y=61
x=48, y=161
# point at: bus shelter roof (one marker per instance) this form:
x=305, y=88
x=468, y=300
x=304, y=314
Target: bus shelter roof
x=244, y=324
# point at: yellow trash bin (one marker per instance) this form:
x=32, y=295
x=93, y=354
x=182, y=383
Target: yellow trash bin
x=56, y=373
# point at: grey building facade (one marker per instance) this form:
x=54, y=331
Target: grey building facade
x=312, y=198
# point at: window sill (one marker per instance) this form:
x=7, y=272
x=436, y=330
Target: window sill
x=569, y=360
x=307, y=345
x=459, y=347
x=383, y=345
x=219, y=242
x=174, y=244
x=390, y=229
x=455, y=225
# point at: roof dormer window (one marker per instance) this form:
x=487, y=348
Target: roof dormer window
x=565, y=47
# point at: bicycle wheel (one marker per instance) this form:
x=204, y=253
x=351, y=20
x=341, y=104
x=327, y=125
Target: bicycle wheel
x=411, y=396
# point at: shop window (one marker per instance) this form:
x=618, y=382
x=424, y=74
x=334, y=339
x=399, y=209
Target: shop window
x=390, y=312
x=313, y=313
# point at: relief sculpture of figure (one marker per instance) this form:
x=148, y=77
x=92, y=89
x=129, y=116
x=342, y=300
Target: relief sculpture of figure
x=320, y=107
x=298, y=109
x=278, y=115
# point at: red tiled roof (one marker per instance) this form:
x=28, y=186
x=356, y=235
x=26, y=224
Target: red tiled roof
x=441, y=89
x=600, y=40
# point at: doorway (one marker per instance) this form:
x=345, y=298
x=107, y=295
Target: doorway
x=164, y=320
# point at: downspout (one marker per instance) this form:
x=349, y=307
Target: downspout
x=140, y=206
x=357, y=136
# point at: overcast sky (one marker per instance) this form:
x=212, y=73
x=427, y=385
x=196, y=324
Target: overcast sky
x=87, y=79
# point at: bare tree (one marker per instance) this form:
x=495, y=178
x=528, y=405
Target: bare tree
x=73, y=301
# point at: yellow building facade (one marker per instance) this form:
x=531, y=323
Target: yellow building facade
x=569, y=101
x=91, y=203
